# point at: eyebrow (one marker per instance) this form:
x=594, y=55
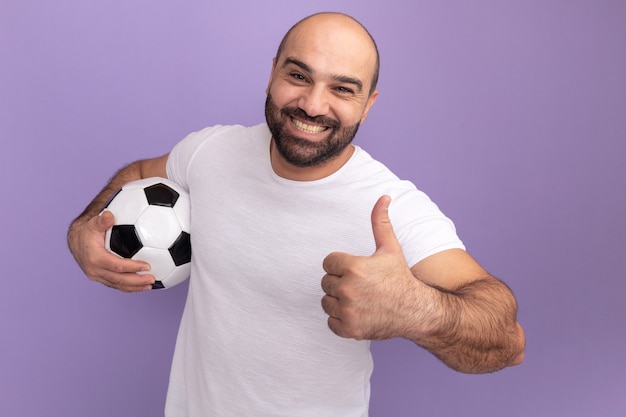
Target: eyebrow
x=340, y=78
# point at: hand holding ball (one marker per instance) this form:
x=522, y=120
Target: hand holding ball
x=152, y=224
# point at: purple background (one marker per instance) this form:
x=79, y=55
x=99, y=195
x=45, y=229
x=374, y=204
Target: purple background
x=511, y=115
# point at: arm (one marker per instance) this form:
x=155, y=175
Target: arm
x=85, y=236
x=472, y=326
x=446, y=303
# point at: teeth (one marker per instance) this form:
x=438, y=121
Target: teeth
x=308, y=128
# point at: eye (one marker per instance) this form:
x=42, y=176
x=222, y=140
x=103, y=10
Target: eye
x=297, y=76
x=344, y=90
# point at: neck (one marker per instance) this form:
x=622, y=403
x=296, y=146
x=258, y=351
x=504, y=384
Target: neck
x=284, y=169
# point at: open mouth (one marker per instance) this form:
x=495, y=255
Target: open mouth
x=307, y=128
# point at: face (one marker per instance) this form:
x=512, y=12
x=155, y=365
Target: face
x=319, y=93
x=295, y=147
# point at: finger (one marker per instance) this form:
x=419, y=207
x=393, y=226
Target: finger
x=125, y=281
x=330, y=284
x=329, y=305
x=135, y=283
x=336, y=263
x=113, y=271
x=326, y=284
x=335, y=325
x=384, y=236
x=125, y=284
x=116, y=264
x=113, y=262
x=104, y=221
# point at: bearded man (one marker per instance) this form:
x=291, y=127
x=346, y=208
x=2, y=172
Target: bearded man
x=306, y=248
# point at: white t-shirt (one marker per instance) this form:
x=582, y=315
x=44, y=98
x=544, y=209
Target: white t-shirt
x=253, y=339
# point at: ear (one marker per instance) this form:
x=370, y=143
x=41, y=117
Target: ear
x=269, y=84
x=370, y=102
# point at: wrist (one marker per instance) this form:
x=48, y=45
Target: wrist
x=434, y=315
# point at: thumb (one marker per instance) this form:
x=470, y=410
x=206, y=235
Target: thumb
x=104, y=221
x=381, y=225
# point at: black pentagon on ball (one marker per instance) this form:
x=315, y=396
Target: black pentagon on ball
x=125, y=241
x=161, y=195
x=181, y=249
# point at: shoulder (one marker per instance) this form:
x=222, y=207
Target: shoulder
x=363, y=163
x=420, y=225
x=225, y=131
x=219, y=144
x=221, y=137
x=371, y=174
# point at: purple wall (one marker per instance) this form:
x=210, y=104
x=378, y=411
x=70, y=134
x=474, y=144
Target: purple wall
x=511, y=115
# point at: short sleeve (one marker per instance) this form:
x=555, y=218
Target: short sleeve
x=420, y=226
x=182, y=155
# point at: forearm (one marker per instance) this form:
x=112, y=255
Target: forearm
x=145, y=168
x=446, y=303
x=127, y=174
x=474, y=328
x=86, y=234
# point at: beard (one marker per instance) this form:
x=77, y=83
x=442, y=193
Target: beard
x=300, y=152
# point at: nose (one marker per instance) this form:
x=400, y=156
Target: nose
x=314, y=101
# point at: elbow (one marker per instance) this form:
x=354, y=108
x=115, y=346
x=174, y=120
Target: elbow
x=518, y=359
x=520, y=345
x=507, y=355
x=516, y=350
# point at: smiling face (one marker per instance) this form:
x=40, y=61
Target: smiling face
x=306, y=148
x=318, y=95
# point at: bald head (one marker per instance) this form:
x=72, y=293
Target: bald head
x=338, y=27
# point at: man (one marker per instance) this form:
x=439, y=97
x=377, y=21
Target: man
x=271, y=206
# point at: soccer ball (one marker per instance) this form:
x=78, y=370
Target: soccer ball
x=152, y=219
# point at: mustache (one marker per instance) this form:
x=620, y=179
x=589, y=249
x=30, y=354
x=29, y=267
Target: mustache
x=301, y=114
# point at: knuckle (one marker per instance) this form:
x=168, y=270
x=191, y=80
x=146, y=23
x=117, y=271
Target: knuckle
x=114, y=281
x=117, y=267
x=345, y=292
x=328, y=262
x=357, y=267
x=325, y=284
x=325, y=305
x=335, y=326
x=331, y=306
x=126, y=289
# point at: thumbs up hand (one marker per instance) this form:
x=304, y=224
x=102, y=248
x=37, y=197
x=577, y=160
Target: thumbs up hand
x=368, y=297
